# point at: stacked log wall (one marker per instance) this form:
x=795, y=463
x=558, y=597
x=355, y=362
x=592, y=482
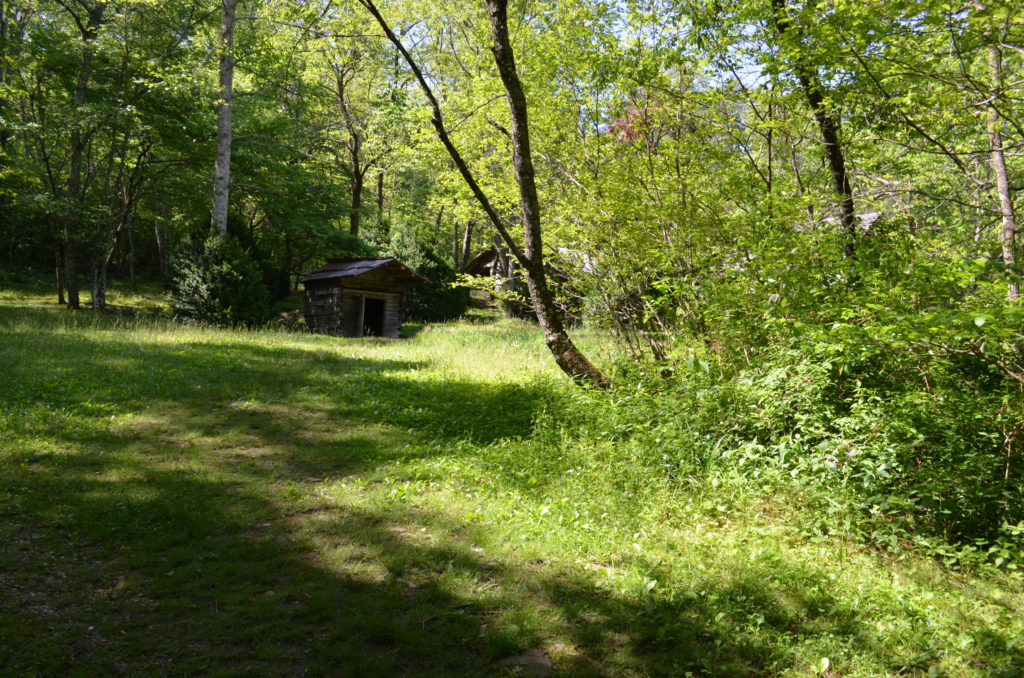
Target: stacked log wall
x=349, y=309
x=332, y=307
x=322, y=309
x=393, y=316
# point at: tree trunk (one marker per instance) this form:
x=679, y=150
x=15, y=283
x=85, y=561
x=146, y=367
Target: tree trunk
x=129, y=227
x=1008, y=234
x=4, y=49
x=222, y=166
x=162, y=246
x=566, y=354
x=99, y=283
x=828, y=127
x=437, y=220
x=58, y=269
x=13, y=28
x=467, y=243
x=380, y=203
x=456, y=241
x=506, y=281
x=357, y=185
x=355, y=150
x=100, y=265
x=76, y=153
x=11, y=39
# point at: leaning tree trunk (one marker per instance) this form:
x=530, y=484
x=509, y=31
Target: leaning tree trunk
x=828, y=127
x=222, y=166
x=566, y=354
x=1008, y=235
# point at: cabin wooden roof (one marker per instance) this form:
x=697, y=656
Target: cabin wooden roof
x=352, y=268
x=478, y=265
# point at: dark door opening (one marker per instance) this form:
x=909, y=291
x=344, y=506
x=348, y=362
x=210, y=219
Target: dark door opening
x=373, y=317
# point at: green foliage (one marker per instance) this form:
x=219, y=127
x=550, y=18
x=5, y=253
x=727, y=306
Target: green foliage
x=683, y=195
x=886, y=391
x=217, y=281
x=441, y=298
x=892, y=460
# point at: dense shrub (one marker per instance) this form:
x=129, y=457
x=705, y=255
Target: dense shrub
x=217, y=281
x=842, y=422
x=439, y=299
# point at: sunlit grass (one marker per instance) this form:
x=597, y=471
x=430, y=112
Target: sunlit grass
x=191, y=500
x=29, y=290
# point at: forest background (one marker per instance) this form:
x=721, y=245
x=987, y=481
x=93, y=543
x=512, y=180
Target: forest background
x=796, y=219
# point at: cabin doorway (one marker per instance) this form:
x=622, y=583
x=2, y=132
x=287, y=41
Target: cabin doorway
x=373, y=317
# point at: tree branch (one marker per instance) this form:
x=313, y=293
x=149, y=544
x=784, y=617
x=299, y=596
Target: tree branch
x=437, y=120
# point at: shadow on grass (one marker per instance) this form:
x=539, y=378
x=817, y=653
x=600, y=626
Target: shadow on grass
x=156, y=571
x=171, y=574
x=68, y=371
x=195, y=540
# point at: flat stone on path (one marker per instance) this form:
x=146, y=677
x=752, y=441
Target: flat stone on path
x=530, y=663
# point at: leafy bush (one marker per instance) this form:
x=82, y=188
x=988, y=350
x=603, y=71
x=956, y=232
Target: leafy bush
x=217, y=281
x=842, y=423
x=439, y=299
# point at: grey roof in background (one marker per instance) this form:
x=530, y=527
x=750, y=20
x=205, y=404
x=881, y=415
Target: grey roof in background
x=351, y=268
x=477, y=264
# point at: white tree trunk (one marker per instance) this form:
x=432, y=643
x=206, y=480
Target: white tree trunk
x=1008, y=235
x=222, y=168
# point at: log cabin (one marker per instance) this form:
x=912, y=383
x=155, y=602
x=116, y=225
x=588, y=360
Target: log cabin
x=358, y=297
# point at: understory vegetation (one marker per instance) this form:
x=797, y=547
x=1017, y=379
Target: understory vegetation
x=180, y=500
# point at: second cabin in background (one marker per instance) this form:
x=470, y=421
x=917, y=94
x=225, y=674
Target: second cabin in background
x=358, y=297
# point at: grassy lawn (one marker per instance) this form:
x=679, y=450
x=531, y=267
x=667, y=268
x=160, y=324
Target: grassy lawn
x=188, y=501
